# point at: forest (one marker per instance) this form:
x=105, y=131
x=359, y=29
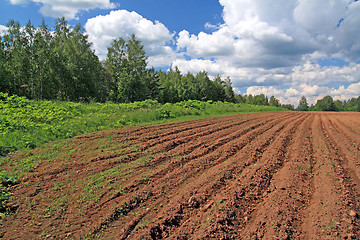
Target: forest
x=43, y=64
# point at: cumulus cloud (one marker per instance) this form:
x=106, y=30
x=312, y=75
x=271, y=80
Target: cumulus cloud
x=219, y=43
x=270, y=34
x=312, y=72
x=102, y=30
x=327, y=15
x=274, y=47
x=67, y=8
x=196, y=65
x=314, y=81
x=347, y=34
x=255, y=34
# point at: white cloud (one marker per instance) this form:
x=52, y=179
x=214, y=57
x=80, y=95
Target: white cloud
x=310, y=73
x=326, y=18
x=268, y=91
x=19, y=1
x=163, y=56
x=270, y=34
x=347, y=35
x=345, y=93
x=67, y=8
x=219, y=43
x=196, y=65
x=354, y=89
x=273, y=46
x=291, y=92
x=102, y=30
x=256, y=34
x=3, y=29
x=212, y=26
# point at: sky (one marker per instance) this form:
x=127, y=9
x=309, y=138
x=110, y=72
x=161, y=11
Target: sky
x=282, y=48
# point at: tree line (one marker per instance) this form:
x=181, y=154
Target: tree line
x=261, y=100
x=38, y=63
x=328, y=104
x=60, y=65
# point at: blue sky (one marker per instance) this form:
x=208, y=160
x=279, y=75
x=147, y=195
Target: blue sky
x=282, y=48
x=175, y=15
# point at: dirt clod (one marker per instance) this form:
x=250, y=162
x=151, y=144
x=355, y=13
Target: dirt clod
x=353, y=214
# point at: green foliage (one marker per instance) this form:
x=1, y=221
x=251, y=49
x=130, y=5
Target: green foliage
x=260, y=100
x=27, y=123
x=39, y=64
x=229, y=92
x=126, y=65
x=60, y=65
x=339, y=106
x=194, y=104
x=352, y=105
x=328, y=104
x=4, y=195
x=303, y=105
x=325, y=104
x=164, y=113
x=240, y=99
x=274, y=102
x=6, y=180
x=175, y=87
x=288, y=107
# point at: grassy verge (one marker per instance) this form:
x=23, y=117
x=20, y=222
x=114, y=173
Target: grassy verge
x=26, y=124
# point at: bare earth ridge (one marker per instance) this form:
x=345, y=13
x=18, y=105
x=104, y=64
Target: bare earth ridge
x=284, y=175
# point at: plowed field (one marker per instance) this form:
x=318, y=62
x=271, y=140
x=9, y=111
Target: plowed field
x=284, y=175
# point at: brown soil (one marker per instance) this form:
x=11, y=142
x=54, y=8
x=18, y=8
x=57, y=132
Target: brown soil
x=286, y=175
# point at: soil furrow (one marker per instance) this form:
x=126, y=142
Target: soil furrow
x=347, y=170
x=186, y=173
x=251, y=186
x=130, y=186
x=327, y=212
x=352, y=137
x=285, y=175
x=279, y=214
x=196, y=133
x=158, y=160
x=210, y=187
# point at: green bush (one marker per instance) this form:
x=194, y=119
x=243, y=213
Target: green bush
x=164, y=114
